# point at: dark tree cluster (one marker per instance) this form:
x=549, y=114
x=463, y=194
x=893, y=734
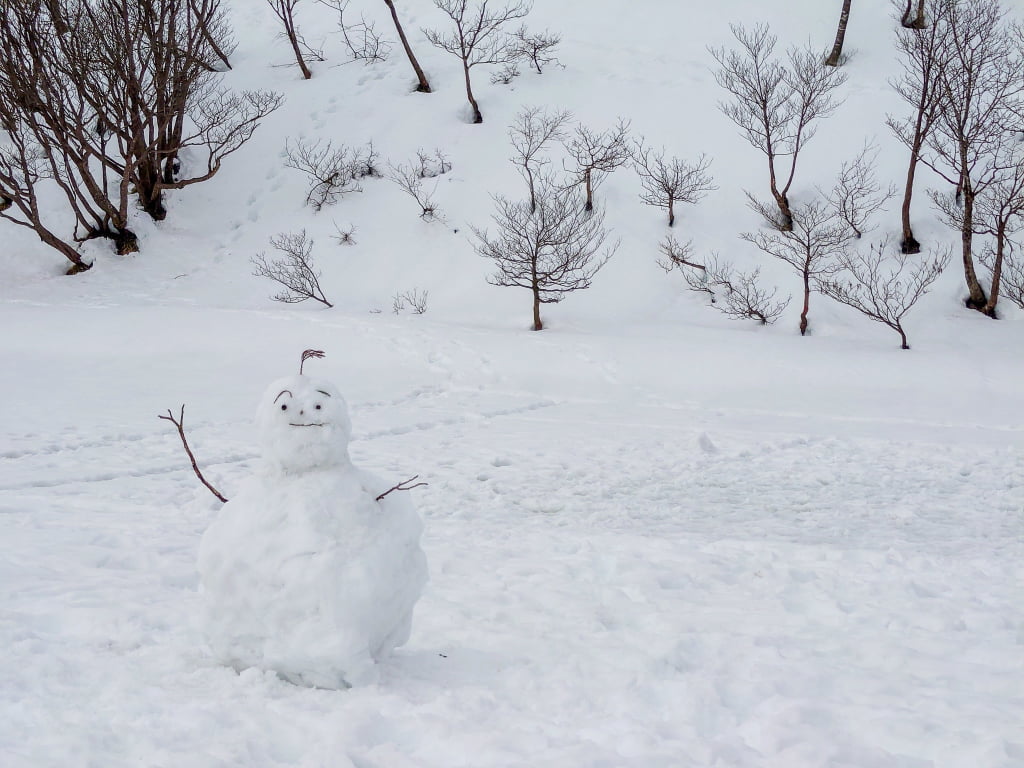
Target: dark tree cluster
x=102, y=100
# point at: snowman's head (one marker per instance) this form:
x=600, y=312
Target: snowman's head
x=304, y=424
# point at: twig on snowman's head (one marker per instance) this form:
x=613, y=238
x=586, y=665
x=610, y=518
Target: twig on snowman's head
x=308, y=353
x=180, y=424
x=402, y=486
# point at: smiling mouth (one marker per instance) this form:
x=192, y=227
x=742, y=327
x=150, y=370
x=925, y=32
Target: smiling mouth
x=315, y=424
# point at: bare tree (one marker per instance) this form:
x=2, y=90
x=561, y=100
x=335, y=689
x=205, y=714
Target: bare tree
x=982, y=94
x=538, y=48
x=921, y=52
x=775, y=104
x=285, y=12
x=835, y=57
x=671, y=181
x=552, y=251
x=596, y=155
x=478, y=37
x=147, y=69
x=410, y=180
x=109, y=107
x=857, y=194
x=810, y=246
x=294, y=269
x=999, y=213
x=331, y=171
x=533, y=130
x=883, y=288
x=422, y=84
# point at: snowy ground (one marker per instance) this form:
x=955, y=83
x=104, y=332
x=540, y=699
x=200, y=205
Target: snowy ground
x=619, y=577
x=656, y=537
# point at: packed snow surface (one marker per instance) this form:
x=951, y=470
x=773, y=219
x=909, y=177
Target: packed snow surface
x=305, y=571
x=657, y=537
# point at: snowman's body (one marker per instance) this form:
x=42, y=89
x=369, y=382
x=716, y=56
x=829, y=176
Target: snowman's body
x=304, y=572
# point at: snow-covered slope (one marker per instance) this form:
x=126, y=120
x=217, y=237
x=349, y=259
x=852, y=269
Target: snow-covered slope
x=657, y=536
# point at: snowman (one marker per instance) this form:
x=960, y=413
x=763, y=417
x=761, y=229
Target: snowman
x=312, y=570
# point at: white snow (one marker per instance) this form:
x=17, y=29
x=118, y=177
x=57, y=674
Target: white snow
x=657, y=537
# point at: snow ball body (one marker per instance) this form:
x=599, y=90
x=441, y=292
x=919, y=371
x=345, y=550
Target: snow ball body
x=304, y=572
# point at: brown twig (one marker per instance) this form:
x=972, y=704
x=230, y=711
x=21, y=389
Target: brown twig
x=179, y=423
x=308, y=353
x=402, y=486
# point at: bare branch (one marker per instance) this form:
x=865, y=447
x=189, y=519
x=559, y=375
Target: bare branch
x=402, y=486
x=294, y=270
x=180, y=424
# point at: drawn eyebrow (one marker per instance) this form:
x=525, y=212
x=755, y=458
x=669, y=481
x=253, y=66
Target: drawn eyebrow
x=282, y=392
x=325, y=394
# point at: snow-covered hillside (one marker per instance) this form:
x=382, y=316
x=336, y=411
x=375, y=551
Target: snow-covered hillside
x=656, y=536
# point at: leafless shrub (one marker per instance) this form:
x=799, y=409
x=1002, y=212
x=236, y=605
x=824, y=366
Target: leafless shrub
x=431, y=166
x=596, y=155
x=413, y=299
x=857, y=194
x=553, y=250
x=344, y=236
x=538, y=48
x=477, y=37
x=331, y=171
x=361, y=38
x=409, y=180
x=506, y=74
x=671, y=181
x=775, y=104
x=533, y=130
x=882, y=287
x=734, y=293
x=293, y=270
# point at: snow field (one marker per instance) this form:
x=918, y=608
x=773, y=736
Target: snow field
x=656, y=537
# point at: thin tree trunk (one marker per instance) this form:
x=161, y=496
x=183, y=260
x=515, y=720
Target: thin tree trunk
x=916, y=21
x=671, y=212
x=807, y=304
x=293, y=38
x=781, y=199
x=997, y=271
x=477, y=117
x=976, y=294
x=424, y=85
x=909, y=243
x=903, y=337
x=837, y=47
x=537, y=324
x=589, y=204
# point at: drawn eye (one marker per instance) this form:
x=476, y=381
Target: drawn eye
x=318, y=406
x=284, y=407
